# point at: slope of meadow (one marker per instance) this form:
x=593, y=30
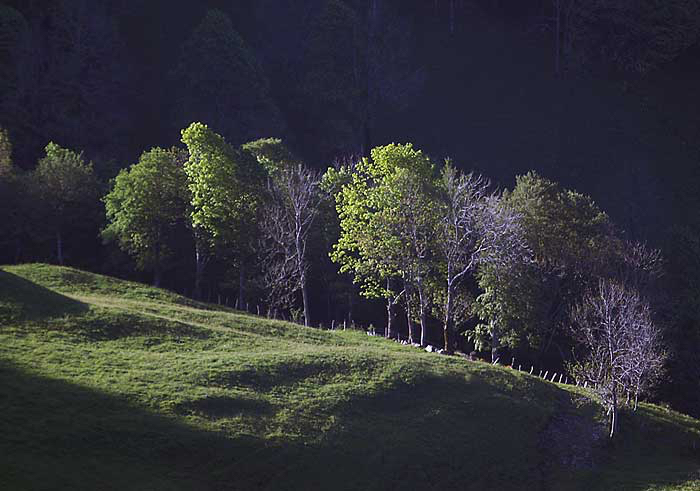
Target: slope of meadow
x=106, y=384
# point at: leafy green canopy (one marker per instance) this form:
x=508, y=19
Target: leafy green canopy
x=147, y=202
x=374, y=202
x=270, y=153
x=224, y=183
x=572, y=243
x=68, y=195
x=565, y=229
x=66, y=184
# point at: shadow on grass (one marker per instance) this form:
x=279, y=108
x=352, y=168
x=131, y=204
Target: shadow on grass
x=21, y=299
x=107, y=324
x=290, y=372
x=223, y=406
x=452, y=432
x=57, y=435
x=653, y=447
x=435, y=432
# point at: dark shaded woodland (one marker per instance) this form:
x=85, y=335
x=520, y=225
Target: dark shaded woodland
x=600, y=96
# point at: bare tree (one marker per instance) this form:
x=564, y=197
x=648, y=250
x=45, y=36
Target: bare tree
x=646, y=362
x=641, y=266
x=392, y=299
x=463, y=199
x=619, y=341
x=476, y=230
x=293, y=202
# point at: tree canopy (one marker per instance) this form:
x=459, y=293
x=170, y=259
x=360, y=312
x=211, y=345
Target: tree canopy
x=147, y=203
x=220, y=81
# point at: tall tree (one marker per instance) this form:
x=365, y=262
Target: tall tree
x=387, y=210
x=572, y=245
x=292, y=204
x=224, y=183
x=462, y=201
x=70, y=78
x=358, y=64
x=474, y=230
x=219, y=80
x=359, y=240
x=14, y=204
x=69, y=194
x=146, y=205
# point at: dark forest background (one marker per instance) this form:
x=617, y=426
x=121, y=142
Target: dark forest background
x=602, y=96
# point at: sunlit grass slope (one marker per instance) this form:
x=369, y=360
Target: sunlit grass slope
x=106, y=384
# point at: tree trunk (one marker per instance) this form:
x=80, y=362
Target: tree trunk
x=156, y=266
x=389, y=318
x=305, y=299
x=389, y=311
x=200, y=262
x=613, y=414
x=241, y=281
x=448, y=327
x=423, y=317
x=59, y=247
x=495, y=341
x=409, y=320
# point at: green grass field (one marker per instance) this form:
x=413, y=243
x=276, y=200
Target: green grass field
x=106, y=384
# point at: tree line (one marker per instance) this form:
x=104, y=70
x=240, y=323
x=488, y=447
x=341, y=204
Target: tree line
x=523, y=269
x=332, y=78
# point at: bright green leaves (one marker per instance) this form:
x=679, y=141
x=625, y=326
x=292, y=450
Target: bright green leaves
x=63, y=174
x=385, y=208
x=270, y=153
x=223, y=183
x=147, y=203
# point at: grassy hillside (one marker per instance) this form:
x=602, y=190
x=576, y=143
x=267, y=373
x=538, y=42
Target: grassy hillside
x=106, y=384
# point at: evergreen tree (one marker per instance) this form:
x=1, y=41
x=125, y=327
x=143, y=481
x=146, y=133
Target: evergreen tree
x=70, y=79
x=218, y=80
